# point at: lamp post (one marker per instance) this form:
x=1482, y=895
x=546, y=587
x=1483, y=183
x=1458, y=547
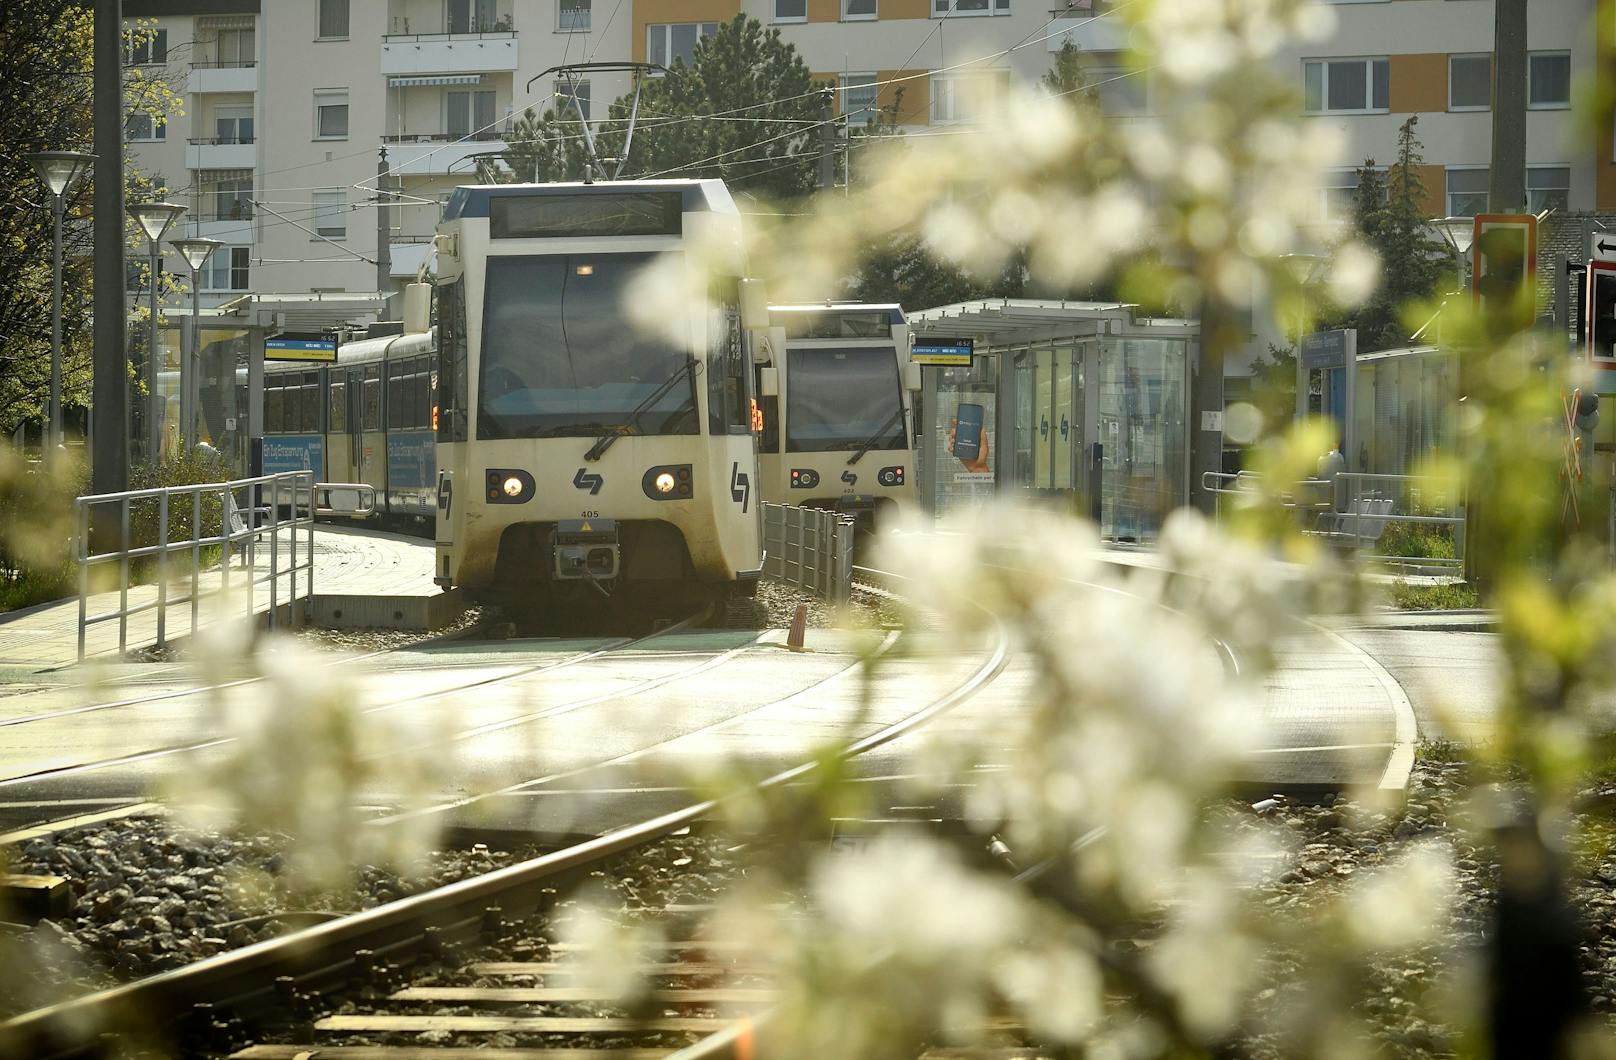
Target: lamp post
x=154, y=219
x=196, y=253
x=60, y=171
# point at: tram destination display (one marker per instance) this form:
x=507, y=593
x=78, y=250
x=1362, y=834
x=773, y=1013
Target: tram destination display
x=289, y=347
x=946, y=353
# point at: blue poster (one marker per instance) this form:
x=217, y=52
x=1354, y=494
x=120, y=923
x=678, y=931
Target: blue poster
x=294, y=452
x=411, y=462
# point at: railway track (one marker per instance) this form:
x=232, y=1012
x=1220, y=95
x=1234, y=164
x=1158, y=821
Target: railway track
x=278, y=982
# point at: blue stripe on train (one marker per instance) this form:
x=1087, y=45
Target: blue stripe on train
x=294, y=452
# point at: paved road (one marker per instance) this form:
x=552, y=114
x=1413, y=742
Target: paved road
x=1451, y=678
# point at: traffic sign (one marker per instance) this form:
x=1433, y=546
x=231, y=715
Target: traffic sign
x=1503, y=257
x=1600, y=303
x=1602, y=246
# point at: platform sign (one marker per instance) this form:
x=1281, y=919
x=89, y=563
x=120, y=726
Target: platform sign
x=1600, y=313
x=1503, y=258
x=945, y=353
x=301, y=348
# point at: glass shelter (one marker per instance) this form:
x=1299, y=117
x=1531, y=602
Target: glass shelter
x=1080, y=404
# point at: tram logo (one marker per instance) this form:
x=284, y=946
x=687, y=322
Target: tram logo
x=587, y=480
x=849, y=478
x=740, y=487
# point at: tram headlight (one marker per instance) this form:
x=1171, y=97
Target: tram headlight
x=670, y=482
x=890, y=476
x=507, y=486
x=804, y=478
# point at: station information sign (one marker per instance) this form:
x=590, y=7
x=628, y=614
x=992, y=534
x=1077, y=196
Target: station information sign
x=321, y=348
x=946, y=353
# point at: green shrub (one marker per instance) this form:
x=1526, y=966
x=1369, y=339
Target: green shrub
x=1447, y=596
x=1417, y=541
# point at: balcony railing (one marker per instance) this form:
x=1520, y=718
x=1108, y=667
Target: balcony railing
x=238, y=139
x=224, y=64
x=447, y=137
x=494, y=32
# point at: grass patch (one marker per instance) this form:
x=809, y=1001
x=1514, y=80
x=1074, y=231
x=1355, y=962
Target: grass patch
x=1416, y=541
x=25, y=588
x=1450, y=596
x=1439, y=751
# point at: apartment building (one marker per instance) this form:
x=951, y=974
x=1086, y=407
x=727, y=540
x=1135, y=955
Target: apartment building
x=289, y=103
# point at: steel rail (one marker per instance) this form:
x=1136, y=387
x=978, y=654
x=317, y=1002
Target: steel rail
x=244, y=980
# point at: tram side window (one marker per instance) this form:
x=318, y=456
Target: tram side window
x=337, y=407
x=453, y=406
x=727, y=409
x=422, y=416
x=309, y=403
x=274, y=407
x=397, y=387
x=370, y=396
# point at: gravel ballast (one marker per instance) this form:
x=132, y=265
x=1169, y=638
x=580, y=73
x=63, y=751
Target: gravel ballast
x=147, y=899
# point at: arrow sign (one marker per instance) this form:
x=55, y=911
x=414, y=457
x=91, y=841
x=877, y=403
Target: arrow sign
x=1603, y=247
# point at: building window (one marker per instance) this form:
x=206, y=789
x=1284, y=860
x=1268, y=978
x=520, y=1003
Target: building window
x=152, y=47
x=574, y=16
x=1470, y=82
x=676, y=42
x=236, y=47
x=1345, y=86
x=956, y=8
x=1120, y=90
x=1338, y=193
x=331, y=213
x=226, y=195
x=474, y=16
x=564, y=94
x=1548, y=80
x=1467, y=192
x=233, y=124
x=333, y=18
x=963, y=97
x=469, y=113
x=858, y=98
x=791, y=10
x=1548, y=188
x=858, y=10
x=226, y=269
x=144, y=127
x=331, y=115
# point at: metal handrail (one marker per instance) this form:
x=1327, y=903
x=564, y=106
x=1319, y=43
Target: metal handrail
x=445, y=35
x=294, y=490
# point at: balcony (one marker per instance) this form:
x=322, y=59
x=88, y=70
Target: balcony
x=224, y=77
x=438, y=154
x=221, y=153
x=407, y=256
x=234, y=231
x=448, y=53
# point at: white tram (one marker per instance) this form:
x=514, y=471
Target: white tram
x=579, y=455
x=838, y=413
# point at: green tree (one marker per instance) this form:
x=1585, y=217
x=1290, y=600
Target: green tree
x=46, y=57
x=1067, y=79
x=743, y=110
x=1390, y=214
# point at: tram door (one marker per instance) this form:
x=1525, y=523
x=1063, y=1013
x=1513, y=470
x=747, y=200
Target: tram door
x=341, y=426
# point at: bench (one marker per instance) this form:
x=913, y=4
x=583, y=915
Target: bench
x=238, y=520
x=1360, y=527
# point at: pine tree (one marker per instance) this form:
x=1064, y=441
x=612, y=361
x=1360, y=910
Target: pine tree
x=1390, y=215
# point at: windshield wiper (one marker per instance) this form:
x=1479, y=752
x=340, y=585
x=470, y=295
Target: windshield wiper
x=869, y=443
x=690, y=368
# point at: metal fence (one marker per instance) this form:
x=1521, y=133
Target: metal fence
x=253, y=521
x=1353, y=509
x=809, y=548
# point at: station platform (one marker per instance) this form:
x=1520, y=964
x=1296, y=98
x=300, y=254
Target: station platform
x=362, y=578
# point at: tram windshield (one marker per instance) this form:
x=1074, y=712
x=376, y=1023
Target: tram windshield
x=842, y=399
x=560, y=357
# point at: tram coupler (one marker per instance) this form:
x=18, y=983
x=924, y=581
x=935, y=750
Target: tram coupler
x=587, y=549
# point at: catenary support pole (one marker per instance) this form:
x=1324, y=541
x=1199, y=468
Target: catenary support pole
x=384, y=228
x=109, y=460
x=827, y=141
x=154, y=396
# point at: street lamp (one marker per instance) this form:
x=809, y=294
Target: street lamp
x=1457, y=233
x=60, y=171
x=196, y=253
x=154, y=219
